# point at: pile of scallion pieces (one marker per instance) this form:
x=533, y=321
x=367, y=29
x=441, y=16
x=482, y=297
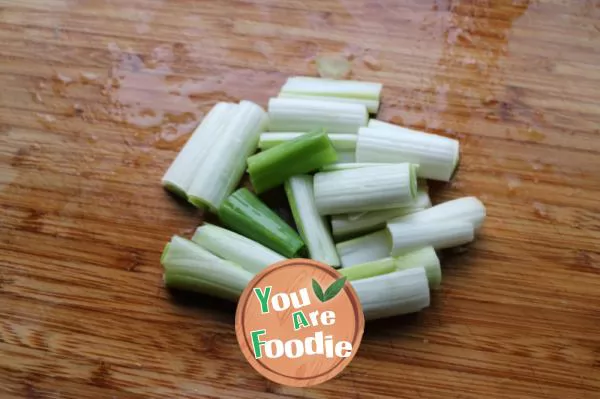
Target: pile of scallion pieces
x=356, y=187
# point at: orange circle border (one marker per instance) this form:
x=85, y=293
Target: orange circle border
x=273, y=375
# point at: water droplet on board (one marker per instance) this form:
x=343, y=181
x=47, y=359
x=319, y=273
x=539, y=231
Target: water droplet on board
x=142, y=94
x=537, y=165
x=62, y=78
x=333, y=66
x=513, y=182
x=534, y=135
x=88, y=77
x=372, y=63
x=46, y=120
x=77, y=109
x=37, y=97
x=540, y=210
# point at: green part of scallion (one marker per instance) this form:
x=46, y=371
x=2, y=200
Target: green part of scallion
x=246, y=214
x=369, y=269
x=270, y=168
x=425, y=257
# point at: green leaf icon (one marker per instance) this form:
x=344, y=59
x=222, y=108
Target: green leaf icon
x=334, y=289
x=318, y=290
x=331, y=292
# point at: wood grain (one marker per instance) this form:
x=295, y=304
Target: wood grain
x=98, y=95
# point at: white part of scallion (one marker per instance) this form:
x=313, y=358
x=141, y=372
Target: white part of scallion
x=466, y=209
x=183, y=169
x=332, y=87
x=188, y=266
x=365, y=189
x=437, y=156
x=346, y=166
x=422, y=201
x=423, y=257
x=371, y=105
x=370, y=247
x=340, y=141
x=223, y=166
x=297, y=115
x=351, y=224
x=236, y=248
x=312, y=227
x=407, y=237
x=393, y=294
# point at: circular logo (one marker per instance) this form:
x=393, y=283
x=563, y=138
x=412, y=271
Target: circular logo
x=299, y=323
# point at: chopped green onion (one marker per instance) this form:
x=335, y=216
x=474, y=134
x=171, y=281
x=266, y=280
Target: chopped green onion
x=180, y=174
x=224, y=164
x=423, y=257
x=366, y=93
x=351, y=224
x=370, y=247
x=297, y=115
x=236, y=248
x=306, y=153
x=441, y=234
x=393, y=294
x=466, y=209
x=365, y=189
x=371, y=105
x=190, y=267
x=340, y=141
x=313, y=227
x=369, y=269
x=246, y=214
x=350, y=165
x=331, y=87
x=437, y=156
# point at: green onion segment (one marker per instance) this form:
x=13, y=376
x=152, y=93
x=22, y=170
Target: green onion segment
x=301, y=115
x=347, y=225
x=313, y=227
x=407, y=237
x=393, y=294
x=437, y=156
x=422, y=257
x=370, y=247
x=182, y=170
x=236, y=248
x=224, y=162
x=340, y=141
x=189, y=267
x=246, y=214
x=365, y=93
x=365, y=189
x=466, y=209
x=271, y=168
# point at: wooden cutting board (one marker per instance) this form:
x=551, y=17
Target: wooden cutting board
x=98, y=95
